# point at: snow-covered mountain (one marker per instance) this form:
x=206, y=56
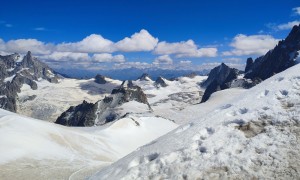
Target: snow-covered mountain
x=255, y=135
x=51, y=100
x=16, y=71
x=31, y=88
x=226, y=130
x=127, y=98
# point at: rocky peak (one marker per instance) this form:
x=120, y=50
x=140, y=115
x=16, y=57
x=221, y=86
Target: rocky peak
x=221, y=74
x=15, y=71
x=249, y=64
x=283, y=56
x=100, y=79
x=130, y=92
x=219, y=78
x=145, y=77
x=105, y=110
x=160, y=82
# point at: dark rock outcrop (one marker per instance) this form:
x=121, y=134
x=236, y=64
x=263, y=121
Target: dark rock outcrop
x=277, y=60
x=100, y=79
x=160, y=82
x=144, y=77
x=219, y=78
x=249, y=64
x=81, y=115
x=14, y=72
x=103, y=111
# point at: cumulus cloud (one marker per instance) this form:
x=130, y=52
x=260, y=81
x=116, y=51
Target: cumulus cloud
x=141, y=41
x=25, y=45
x=91, y=44
x=251, y=45
x=66, y=56
x=164, y=59
x=184, y=49
x=106, y=57
x=288, y=25
x=296, y=10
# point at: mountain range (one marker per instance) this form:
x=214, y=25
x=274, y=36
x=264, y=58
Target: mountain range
x=225, y=124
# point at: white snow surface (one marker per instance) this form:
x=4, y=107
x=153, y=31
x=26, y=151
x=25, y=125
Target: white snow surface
x=254, y=136
x=35, y=149
x=178, y=95
x=53, y=99
x=9, y=79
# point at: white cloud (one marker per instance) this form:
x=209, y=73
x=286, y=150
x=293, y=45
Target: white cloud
x=140, y=65
x=232, y=60
x=185, y=62
x=106, y=57
x=141, y=41
x=25, y=45
x=251, y=45
x=288, y=25
x=91, y=44
x=66, y=56
x=184, y=49
x=296, y=10
x=164, y=59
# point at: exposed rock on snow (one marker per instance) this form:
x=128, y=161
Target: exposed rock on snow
x=160, y=82
x=279, y=59
x=219, y=78
x=106, y=110
x=15, y=72
x=249, y=64
x=100, y=79
x=145, y=77
x=254, y=136
x=52, y=99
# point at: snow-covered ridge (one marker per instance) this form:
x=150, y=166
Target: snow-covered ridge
x=254, y=136
x=35, y=149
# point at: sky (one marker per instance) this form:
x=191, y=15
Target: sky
x=172, y=34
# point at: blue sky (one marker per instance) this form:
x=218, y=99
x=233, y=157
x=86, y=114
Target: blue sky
x=166, y=34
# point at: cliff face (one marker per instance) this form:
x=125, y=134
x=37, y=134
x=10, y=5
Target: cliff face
x=15, y=71
x=219, y=78
x=277, y=60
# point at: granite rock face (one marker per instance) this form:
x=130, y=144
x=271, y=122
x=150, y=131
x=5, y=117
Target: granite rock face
x=219, y=78
x=81, y=115
x=100, y=79
x=160, y=82
x=277, y=60
x=15, y=71
x=105, y=110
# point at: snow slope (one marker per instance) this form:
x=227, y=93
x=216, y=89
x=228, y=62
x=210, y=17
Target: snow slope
x=175, y=97
x=53, y=99
x=35, y=149
x=255, y=136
